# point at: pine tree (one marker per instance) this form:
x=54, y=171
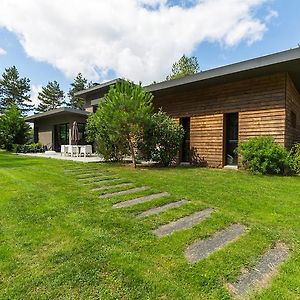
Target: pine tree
x=80, y=83
x=14, y=91
x=185, y=66
x=51, y=97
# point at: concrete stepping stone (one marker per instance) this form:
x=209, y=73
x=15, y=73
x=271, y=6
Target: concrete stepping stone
x=157, y=210
x=203, y=248
x=126, y=192
x=140, y=200
x=261, y=274
x=108, y=179
x=98, y=177
x=183, y=223
x=106, y=187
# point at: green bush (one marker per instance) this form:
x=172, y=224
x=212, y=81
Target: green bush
x=28, y=148
x=161, y=139
x=295, y=159
x=13, y=129
x=263, y=155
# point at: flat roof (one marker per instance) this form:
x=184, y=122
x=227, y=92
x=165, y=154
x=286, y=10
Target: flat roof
x=97, y=87
x=57, y=111
x=285, y=61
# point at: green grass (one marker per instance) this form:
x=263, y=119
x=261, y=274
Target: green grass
x=58, y=240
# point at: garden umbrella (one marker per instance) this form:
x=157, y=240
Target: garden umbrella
x=75, y=133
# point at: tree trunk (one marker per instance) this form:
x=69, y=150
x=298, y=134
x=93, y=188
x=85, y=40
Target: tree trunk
x=132, y=152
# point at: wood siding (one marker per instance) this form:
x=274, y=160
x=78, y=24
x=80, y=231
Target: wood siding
x=270, y=122
x=260, y=103
x=292, y=107
x=207, y=138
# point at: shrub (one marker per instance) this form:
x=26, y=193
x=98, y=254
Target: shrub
x=161, y=139
x=295, y=159
x=263, y=155
x=13, y=129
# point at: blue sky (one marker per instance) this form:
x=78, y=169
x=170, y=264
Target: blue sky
x=29, y=53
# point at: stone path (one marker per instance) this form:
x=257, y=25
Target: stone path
x=97, y=177
x=106, y=187
x=103, y=180
x=126, y=192
x=253, y=279
x=262, y=273
x=140, y=200
x=203, y=248
x=159, y=209
x=183, y=223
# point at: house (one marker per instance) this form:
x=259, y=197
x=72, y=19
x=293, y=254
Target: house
x=221, y=107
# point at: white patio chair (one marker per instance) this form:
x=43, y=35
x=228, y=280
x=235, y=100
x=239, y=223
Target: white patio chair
x=86, y=150
x=63, y=150
x=74, y=150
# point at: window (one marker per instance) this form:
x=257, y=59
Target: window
x=293, y=119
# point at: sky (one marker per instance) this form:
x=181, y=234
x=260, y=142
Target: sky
x=138, y=39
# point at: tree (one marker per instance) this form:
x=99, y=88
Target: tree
x=80, y=83
x=51, y=97
x=185, y=66
x=161, y=139
x=120, y=119
x=13, y=128
x=14, y=90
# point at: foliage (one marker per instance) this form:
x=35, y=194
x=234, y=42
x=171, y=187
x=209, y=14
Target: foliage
x=13, y=129
x=263, y=155
x=14, y=90
x=161, y=139
x=185, y=66
x=50, y=97
x=109, y=146
x=295, y=159
x=80, y=83
x=29, y=148
x=120, y=119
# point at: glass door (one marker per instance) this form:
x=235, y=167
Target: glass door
x=231, y=131
x=185, y=148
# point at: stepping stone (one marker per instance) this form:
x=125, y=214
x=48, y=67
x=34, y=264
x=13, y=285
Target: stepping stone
x=262, y=273
x=203, y=248
x=157, y=210
x=91, y=175
x=105, y=187
x=140, y=200
x=130, y=191
x=183, y=223
x=103, y=180
x=98, y=177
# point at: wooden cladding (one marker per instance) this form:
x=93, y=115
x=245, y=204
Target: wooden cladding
x=207, y=138
x=267, y=106
x=257, y=93
x=270, y=122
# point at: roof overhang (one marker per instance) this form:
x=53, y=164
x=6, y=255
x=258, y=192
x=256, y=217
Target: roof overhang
x=57, y=112
x=96, y=88
x=287, y=61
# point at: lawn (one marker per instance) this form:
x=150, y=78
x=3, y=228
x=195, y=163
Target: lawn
x=59, y=240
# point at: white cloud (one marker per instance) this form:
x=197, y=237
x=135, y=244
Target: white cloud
x=35, y=89
x=2, y=51
x=96, y=36
x=271, y=15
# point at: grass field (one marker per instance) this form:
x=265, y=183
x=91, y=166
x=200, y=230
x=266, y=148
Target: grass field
x=58, y=240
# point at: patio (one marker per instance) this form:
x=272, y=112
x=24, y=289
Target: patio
x=57, y=155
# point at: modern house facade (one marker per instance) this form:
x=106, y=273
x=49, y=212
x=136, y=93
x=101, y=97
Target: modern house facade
x=221, y=107
x=53, y=128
